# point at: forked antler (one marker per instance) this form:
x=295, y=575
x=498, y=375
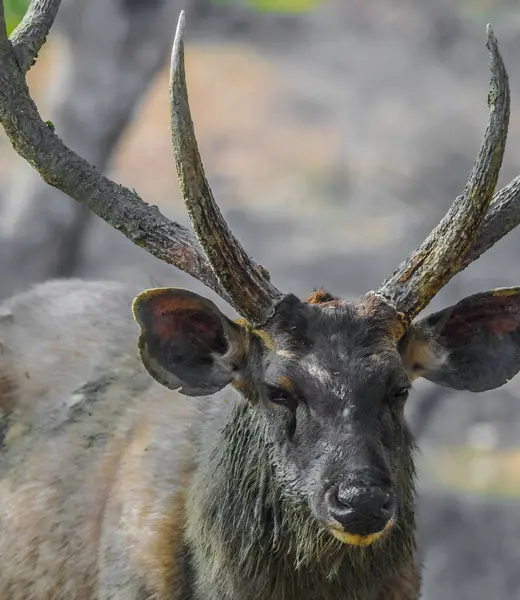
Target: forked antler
x=442, y=255
x=221, y=263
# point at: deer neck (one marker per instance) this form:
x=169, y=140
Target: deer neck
x=244, y=534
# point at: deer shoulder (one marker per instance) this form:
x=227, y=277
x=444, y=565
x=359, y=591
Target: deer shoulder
x=95, y=456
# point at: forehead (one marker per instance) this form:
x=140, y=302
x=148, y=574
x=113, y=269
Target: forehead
x=327, y=344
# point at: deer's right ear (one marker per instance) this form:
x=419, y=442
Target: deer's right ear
x=473, y=345
x=187, y=343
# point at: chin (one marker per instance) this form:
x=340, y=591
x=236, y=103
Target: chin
x=355, y=539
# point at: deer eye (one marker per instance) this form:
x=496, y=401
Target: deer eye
x=401, y=394
x=278, y=395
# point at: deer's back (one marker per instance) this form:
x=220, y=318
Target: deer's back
x=94, y=454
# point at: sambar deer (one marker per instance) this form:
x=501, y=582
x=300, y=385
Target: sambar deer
x=265, y=459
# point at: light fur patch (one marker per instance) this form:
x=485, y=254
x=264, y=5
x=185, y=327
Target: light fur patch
x=15, y=432
x=319, y=373
x=423, y=355
x=286, y=353
x=266, y=339
x=326, y=378
x=286, y=383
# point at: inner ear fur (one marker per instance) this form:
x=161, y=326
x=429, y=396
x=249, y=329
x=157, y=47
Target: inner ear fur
x=421, y=352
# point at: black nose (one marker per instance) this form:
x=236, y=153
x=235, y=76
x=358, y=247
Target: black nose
x=361, y=511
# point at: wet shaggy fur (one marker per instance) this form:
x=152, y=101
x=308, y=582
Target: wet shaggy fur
x=114, y=487
x=249, y=540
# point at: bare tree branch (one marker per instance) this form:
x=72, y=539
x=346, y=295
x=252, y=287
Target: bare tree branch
x=416, y=281
x=246, y=283
x=62, y=168
x=30, y=35
x=106, y=75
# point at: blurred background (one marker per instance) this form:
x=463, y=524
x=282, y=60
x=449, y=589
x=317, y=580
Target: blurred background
x=335, y=134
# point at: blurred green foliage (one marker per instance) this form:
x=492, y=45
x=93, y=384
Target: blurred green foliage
x=280, y=6
x=14, y=11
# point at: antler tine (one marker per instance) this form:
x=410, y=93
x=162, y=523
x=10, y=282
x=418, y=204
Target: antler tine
x=60, y=167
x=502, y=217
x=246, y=283
x=442, y=254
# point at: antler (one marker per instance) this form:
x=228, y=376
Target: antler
x=229, y=271
x=247, y=283
x=443, y=254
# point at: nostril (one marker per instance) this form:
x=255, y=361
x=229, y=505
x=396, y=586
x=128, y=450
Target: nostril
x=338, y=499
x=388, y=503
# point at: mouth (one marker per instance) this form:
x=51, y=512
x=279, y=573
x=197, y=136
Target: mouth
x=354, y=539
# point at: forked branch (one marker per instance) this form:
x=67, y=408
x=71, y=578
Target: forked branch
x=442, y=254
x=31, y=33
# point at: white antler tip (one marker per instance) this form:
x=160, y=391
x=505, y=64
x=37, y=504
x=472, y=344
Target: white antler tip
x=177, y=45
x=180, y=25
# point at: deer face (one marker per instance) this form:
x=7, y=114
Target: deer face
x=334, y=391
x=329, y=381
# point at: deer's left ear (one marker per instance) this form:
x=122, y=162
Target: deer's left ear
x=474, y=345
